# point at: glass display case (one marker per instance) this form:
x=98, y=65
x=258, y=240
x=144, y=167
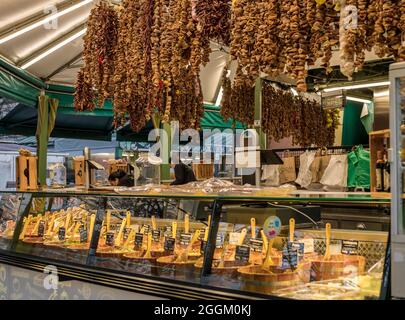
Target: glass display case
x=232, y=246
x=397, y=122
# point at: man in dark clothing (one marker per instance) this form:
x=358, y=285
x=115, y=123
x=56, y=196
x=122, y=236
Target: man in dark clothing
x=182, y=172
x=121, y=179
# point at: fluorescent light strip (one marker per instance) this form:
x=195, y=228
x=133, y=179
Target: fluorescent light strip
x=381, y=94
x=358, y=100
x=359, y=86
x=43, y=21
x=53, y=49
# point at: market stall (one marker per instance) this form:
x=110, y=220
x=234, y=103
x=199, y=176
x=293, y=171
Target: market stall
x=277, y=111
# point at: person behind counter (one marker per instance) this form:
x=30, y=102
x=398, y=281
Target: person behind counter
x=121, y=179
x=182, y=172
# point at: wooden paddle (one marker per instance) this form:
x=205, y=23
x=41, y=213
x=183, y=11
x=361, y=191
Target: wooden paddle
x=292, y=229
x=265, y=240
x=91, y=228
x=242, y=236
x=120, y=232
x=268, y=262
x=148, y=254
x=327, y=241
x=128, y=219
x=174, y=229
x=186, y=223
x=253, y=228
x=153, y=218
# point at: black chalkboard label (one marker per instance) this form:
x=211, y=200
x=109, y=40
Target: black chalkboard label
x=242, y=253
x=256, y=245
x=127, y=231
x=202, y=234
x=350, y=247
x=109, y=240
x=156, y=235
x=290, y=258
x=41, y=228
x=220, y=242
x=169, y=244
x=168, y=231
x=203, y=245
x=83, y=234
x=146, y=228
x=185, y=239
x=61, y=234
x=138, y=240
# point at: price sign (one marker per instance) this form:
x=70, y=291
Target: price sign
x=220, y=241
x=309, y=245
x=202, y=234
x=272, y=227
x=234, y=238
x=156, y=235
x=169, y=244
x=290, y=258
x=41, y=229
x=138, y=240
x=256, y=245
x=146, y=228
x=109, y=240
x=185, y=239
x=127, y=231
x=203, y=245
x=83, y=234
x=299, y=246
x=242, y=253
x=168, y=231
x=350, y=247
x=62, y=233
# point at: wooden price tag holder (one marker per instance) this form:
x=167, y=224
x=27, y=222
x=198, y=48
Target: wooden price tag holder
x=27, y=172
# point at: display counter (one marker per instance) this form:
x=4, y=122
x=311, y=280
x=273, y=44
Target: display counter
x=238, y=245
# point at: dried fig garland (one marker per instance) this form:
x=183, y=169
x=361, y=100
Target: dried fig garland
x=84, y=98
x=99, y=54
x=285, y=115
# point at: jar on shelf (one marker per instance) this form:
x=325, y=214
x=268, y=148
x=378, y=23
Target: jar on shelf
x=57, y=175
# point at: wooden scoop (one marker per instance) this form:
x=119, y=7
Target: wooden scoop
x=184, y=254
x=174, y=229
x=67, y=221
x=128, y=219
x=120, y=232
x=35, y=230
x=153, y=218
x=268, y=262
x=207, y=229
x=186, y=223
x=327, y=241
x=292, y=229
x=26, y=223
x=242, y=236
x=253, y=228
x=108, y=220
x=265, y=240
x=209, y=220
x=50, y=225
x=129, y=239
x=92, y=221
x=148, y=254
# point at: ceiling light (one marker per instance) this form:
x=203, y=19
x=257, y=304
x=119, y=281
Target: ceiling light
x=358, y=100
x=53, y=49
x=382, y=94
x=359, y=86
x=43, y=21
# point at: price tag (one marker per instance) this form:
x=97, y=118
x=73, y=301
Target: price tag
x=109, y=240
x=127, y=231
x=61, y=234
x=309, y=245
x=138, y=240
x=168, y=231
x=147, y=228
x=300, y=247
x=234, y=238
x=290, y=258
x=203, y=245
x=272, y=227
x=220, y=241
x=202, y=234
x=156, y=235
x=350, y=247
x=242, y=253
x=41, y=229
x=82, y=234
x=169, y=244
x=335, y=248
x=256, y=245
x=185, y=239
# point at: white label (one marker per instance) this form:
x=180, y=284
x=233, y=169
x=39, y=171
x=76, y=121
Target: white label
x=234, y=238
x=335, y=248
x=309, y=245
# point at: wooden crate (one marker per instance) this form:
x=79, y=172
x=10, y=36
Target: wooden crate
x=27, y=173
x=78, y=165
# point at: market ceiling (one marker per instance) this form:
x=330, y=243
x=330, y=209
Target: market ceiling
x=49, y=48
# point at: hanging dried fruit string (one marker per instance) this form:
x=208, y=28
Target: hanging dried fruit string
x=98, y=55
